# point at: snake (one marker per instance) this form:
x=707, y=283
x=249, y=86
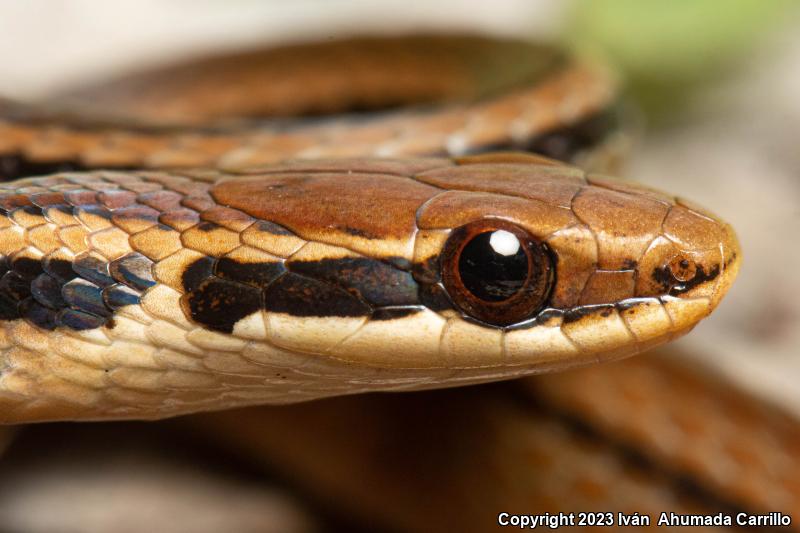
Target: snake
x=326, y=219
x=650, y=435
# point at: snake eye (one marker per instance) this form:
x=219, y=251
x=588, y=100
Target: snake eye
x=496, y=272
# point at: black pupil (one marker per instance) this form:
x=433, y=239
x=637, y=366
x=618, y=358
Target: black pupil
x=488, y=274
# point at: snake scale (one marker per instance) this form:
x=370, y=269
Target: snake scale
x=327, y=219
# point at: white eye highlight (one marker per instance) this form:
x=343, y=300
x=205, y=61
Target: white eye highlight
x=504, y=242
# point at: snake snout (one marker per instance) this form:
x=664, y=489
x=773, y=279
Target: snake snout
x=691, y=265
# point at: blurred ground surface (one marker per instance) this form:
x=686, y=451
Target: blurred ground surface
x=134, y=477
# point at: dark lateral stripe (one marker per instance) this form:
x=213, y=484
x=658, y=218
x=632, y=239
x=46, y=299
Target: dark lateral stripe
x=674, y=287
x=220, y=292
x=301, y=296
x=16, y=165
x=378, y=283
x=219, y=304
x=434, y=297
x=567, y=142
x=86, y=293
x=255, y=274
x=79, y=295
x=13, y=166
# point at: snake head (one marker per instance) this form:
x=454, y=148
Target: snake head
x=149, y=295
x=561, y=268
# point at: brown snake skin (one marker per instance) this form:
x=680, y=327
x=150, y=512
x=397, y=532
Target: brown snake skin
x=644, y=435
x=576, y=441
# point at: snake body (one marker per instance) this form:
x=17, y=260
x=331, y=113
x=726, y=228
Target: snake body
x=647, y=435
x=380, y=97
x=167, y=290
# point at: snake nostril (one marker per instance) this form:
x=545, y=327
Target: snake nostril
x=682, y=269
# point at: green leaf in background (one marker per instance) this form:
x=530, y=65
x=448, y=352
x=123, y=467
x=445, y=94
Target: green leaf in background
x=667, y=48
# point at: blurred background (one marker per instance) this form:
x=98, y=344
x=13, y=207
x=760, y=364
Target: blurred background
x=716, y=82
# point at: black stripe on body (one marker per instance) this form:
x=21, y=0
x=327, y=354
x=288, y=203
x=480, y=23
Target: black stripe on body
x=220, y=292
x=86, y=293
x=378, y=283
